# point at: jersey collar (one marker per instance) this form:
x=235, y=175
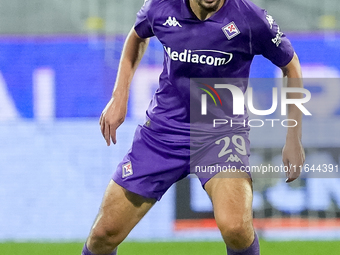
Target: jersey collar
x=219, y=16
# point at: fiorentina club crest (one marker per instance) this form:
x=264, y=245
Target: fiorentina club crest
x=230, y=30
x=127, y=169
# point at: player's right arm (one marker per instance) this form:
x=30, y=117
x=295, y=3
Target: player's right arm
x=115, y=111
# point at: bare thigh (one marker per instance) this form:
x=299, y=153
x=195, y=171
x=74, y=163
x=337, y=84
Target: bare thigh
x=232, y=202
x=120, y=211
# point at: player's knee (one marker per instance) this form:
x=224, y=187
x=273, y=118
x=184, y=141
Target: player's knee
x=105, y=237
x=234, y=230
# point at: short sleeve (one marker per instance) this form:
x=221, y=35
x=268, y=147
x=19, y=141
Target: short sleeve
x=142, y=25
x=269, y=41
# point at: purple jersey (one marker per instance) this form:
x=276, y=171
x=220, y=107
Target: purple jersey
x=222, y=46
x=179, y=137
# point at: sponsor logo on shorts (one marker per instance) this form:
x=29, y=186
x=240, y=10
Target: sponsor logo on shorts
x=205, y=57
x=127, y=169
x=230, y=30
x=234, y=158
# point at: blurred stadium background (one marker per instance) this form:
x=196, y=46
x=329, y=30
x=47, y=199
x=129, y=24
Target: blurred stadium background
x=58, y=61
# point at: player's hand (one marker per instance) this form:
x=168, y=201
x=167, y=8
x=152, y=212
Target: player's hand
x=111, y=118
x=293, y=157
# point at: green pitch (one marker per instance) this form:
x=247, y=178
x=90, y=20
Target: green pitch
x=171, y=248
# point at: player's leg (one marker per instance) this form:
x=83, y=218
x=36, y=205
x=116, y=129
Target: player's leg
x=150, y=167
x=120, y=211
x=231, y=196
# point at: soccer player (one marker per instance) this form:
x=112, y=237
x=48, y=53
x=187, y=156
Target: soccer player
x=201, y=39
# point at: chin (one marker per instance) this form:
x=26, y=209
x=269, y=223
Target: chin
x=209, y=5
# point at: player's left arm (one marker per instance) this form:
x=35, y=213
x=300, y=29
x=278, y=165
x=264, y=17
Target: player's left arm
x=293, y=154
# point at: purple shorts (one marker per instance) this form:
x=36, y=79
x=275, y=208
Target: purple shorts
x=157, y=160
